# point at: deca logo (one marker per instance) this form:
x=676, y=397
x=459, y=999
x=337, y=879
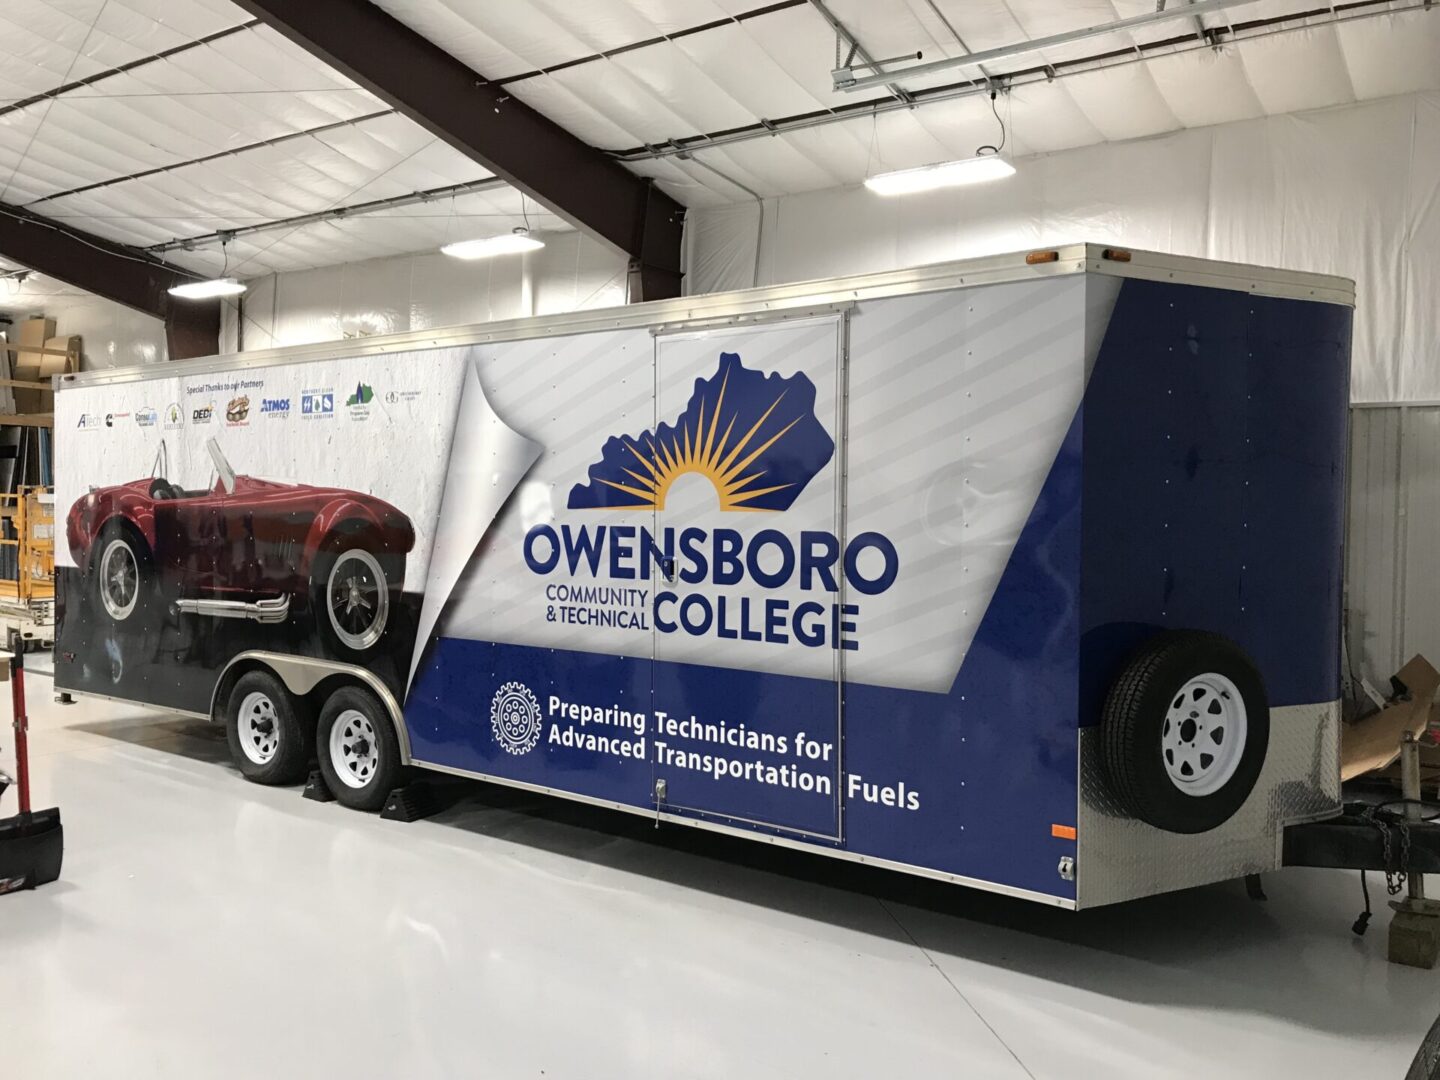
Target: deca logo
x=754, y=436
x=203, y=414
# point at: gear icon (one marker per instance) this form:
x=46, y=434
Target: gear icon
x=515, y=718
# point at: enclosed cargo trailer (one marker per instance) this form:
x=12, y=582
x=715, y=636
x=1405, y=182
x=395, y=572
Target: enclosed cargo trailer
x=1022, y=572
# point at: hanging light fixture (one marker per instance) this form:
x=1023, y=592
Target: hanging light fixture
x=488, y=247
x=987, y=164
x=208, y=289
x=975, y=170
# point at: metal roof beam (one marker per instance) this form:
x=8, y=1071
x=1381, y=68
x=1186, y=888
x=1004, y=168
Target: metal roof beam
x=531, y=152
x=247, y=148
x=845, y=78
x=114, y=271
x=90, y=80
x=347, y=212
x=1235, y=33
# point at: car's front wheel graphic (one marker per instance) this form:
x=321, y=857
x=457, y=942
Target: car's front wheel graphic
x=119, y=579
x=357, y=599
x=121, y=570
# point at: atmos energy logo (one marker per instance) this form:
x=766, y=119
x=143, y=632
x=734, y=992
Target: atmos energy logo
x=756, y=439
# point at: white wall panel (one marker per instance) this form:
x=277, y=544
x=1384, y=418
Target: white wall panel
x=1392, y=562
x=419, y=292
x=1372, y=543
x=1420, y=520
x=111, y=335
x=1352, y=190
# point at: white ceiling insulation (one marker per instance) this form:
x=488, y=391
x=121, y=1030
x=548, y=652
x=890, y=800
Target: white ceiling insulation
x=217, y=123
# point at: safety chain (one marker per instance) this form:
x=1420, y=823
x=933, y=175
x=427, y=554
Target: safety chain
x=1394, y=880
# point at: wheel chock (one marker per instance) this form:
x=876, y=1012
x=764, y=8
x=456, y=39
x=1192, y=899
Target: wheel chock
x=316, y=789
x=412, y=802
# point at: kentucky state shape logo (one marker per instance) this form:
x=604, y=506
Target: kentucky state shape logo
x=754, y=436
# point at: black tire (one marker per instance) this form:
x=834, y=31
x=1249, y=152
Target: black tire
x=353, y=725
x=280, y=754
x=1147, y=721
x=358, y=551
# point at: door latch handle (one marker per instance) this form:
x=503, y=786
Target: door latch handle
x=667, y=571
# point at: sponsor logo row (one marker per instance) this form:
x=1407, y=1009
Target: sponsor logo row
x=318, y=404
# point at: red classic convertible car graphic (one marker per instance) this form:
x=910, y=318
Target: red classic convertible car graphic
x=244, y=548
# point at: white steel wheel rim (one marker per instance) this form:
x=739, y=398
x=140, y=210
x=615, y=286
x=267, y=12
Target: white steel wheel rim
x=119, y=579
x=357, y=598
x=1203, y=739
x=259, y=728
x=354, y=749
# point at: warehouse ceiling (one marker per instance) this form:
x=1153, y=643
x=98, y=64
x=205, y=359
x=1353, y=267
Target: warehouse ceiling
x=164, y=123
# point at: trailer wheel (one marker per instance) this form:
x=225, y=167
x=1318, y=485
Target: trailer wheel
x=359, y=752
x=1185, y=731
x=270, y=732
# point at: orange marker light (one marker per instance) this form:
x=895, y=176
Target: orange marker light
x=1063, y=832
x=1115, y=255
x=1037, y=257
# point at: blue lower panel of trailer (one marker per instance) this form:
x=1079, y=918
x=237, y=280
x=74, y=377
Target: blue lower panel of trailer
x=940, y=781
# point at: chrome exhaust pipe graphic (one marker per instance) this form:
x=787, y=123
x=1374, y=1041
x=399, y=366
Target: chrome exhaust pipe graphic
x=276, y=610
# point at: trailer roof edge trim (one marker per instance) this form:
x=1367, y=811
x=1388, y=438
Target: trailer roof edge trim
x=791, y=300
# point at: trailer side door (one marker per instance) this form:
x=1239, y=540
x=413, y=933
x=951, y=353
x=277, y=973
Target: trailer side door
x=748, y=615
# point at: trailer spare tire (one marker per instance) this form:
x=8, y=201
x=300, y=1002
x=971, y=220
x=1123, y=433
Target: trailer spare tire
x=1185, y=731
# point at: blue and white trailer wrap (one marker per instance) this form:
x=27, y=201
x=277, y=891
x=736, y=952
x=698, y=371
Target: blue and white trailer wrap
x=855, y=566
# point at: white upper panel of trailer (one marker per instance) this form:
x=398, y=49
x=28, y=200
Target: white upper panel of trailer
x=115, y=151
x=799, y=299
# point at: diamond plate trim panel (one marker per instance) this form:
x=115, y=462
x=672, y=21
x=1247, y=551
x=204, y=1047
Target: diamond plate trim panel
x=1120, y=858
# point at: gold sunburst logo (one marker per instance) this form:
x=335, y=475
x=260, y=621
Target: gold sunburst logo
x=719, y=460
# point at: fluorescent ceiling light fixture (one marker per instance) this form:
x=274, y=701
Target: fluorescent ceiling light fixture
x=206, y=290
x=975, y=170
x=506, y=244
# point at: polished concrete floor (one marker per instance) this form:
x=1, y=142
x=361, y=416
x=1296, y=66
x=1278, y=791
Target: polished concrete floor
x=206, y=927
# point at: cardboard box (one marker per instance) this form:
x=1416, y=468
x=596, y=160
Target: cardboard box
x=32, y=333
x=61, y=355
x=1373, y=743
x=38, y=355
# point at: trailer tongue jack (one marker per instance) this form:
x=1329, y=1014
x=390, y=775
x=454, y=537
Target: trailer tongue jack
x=32, y=843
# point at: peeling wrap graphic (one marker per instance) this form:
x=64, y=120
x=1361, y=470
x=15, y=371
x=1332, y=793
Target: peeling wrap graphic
x=487, y=460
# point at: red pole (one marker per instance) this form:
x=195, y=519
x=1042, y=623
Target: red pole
x=22, y=750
